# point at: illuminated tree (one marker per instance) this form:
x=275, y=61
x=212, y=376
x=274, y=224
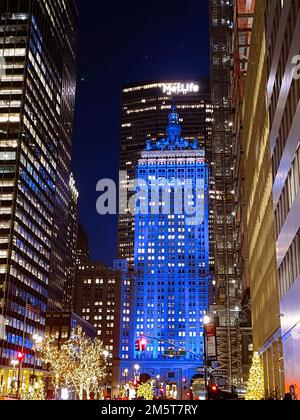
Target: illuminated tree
x=256, y=385
x=146, y=391
x=79, y=363
x=89, y=368
x=35, y=392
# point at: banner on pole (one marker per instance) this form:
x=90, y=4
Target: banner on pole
x=211, y=342
x=2, y=327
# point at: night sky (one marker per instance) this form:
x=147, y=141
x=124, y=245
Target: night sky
x=121, y=42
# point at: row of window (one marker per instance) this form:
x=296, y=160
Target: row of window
x=289, y=270
x=289, y=193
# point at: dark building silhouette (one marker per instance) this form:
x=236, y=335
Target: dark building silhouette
x=83, y=251
x=227, y=293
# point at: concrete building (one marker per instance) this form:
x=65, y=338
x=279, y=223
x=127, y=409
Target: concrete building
x=227, y=282
x=258, y=222
x=98, y=301
x=283, y=95
x=242, y=35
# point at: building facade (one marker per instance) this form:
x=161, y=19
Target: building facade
x=127, y=298
x=37, y=91
x=98, y=301
x=171, y=296
x=242, y=35
x=122, y=350
x=145, y=109
x=283, y=93
x=258, y=220
x=83, y=249
x=227, y=293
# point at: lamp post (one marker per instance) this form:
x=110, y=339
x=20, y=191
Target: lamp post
x=136, y=376
x=37, y=339
x=125, y=374
x=206, y=321
x=15, y=364
x=157, y=385
x=20, y=358
x=136, y=370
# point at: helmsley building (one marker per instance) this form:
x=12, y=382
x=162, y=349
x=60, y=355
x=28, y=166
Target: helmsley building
x=145, y=108
x=171, y=255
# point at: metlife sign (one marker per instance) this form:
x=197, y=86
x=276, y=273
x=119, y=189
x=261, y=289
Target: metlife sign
x=180, y=88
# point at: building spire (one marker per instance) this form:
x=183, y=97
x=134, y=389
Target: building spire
x=174, y=128
x=174, y=139
x=174, y=116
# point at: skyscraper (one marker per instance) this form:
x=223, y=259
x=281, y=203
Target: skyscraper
x=171, y=296
x=242, y=36
x=227, y=294
x=37, y=91
x=144, y=112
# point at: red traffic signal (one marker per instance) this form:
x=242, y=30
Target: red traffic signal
x=214, y=389
x=141, y=345
x=20, y=356
x=137, y=345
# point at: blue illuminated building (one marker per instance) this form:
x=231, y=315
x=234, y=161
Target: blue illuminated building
x=171, y=295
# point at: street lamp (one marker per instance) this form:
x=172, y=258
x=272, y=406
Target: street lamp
x=136, y=378
x=20, y=358
x=15, y=364
x=136, y=371
x=38, y=339
x=106, y=355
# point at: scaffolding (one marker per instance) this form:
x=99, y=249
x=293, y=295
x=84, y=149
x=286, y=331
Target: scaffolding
x=227, y=297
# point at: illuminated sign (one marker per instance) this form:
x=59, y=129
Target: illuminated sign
x=180, y=88
x=211, y=341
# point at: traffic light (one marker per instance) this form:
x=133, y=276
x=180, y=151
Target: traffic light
x=137, y=345
x=20, y=357
x=214, y=389
x=214, y=393
x=141, y=345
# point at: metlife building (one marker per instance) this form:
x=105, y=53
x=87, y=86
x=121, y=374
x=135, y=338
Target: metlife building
x=145, y=110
